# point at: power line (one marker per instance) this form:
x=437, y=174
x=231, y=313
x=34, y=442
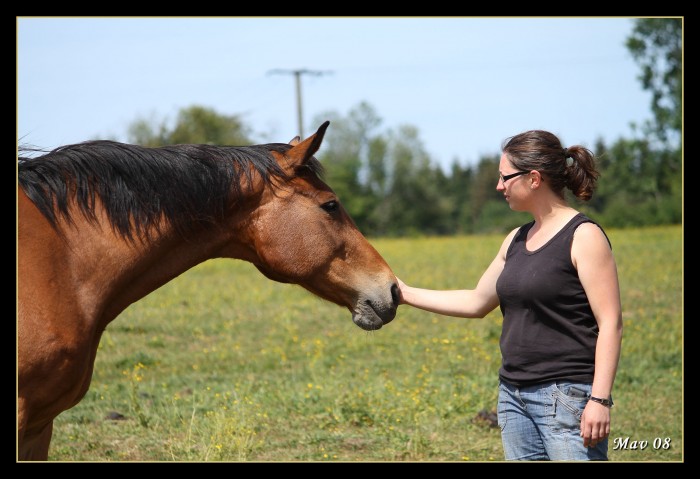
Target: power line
x=297, y=80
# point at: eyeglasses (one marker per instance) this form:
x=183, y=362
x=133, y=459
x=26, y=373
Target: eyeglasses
x=511, y=176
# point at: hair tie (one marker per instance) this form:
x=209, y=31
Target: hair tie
x=567, y=155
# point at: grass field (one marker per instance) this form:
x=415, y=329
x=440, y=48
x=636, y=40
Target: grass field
x=222, y=364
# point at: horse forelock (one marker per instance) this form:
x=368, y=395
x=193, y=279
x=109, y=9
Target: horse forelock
x=188, y=186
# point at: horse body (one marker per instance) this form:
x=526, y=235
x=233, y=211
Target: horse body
x=79, y=271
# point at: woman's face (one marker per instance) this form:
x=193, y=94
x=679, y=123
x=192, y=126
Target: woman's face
x=512, y=183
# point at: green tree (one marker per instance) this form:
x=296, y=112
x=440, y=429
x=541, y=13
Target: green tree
x=641, y=178
x=348, y=156
x=656, y=45
x=457, y=188
x=415, y=203
x=194, y=124
x=384, y=179
x=148, y=132
x=638, y=186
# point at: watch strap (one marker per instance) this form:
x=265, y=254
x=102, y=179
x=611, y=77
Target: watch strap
x=607, y=402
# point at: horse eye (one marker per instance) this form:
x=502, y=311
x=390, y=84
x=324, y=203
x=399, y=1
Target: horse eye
x=330, y=206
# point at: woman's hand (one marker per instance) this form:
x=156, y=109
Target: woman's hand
x=402, y=288
x=595, y=424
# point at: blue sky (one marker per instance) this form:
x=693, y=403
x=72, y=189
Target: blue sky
x=465, y=83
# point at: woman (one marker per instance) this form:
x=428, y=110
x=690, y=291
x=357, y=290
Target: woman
x=555, y=280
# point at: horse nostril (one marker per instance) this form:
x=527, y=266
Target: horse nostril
x=395, y=295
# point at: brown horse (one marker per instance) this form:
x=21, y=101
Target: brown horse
x=102, y=224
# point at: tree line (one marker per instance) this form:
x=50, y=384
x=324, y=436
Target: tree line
x=391, y=187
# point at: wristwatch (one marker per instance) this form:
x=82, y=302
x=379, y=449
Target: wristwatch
x=605, y=402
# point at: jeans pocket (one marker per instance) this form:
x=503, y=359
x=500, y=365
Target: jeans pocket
x=569, y=402
x=573, y=390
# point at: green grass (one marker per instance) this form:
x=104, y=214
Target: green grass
x=222, y=364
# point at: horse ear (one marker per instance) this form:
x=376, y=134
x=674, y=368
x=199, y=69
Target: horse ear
x=301, y=152
x=295, y=141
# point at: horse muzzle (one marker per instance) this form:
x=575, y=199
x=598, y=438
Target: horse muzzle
x=371, y=314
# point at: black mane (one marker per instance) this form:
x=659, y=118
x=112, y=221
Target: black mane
x=187, y=185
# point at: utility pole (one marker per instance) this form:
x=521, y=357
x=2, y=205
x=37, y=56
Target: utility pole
x=297, y=80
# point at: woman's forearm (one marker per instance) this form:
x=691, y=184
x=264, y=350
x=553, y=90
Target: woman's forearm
x=460, y=303
x=607, y=356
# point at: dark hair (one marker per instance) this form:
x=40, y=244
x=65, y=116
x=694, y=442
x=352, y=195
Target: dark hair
x=573, y=167
x=190, y=186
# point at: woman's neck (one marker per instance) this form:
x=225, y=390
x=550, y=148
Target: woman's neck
x=553, y=213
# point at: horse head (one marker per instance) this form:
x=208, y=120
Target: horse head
x=302, y=234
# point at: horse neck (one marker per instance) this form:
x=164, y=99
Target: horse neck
x=86, y=267
x=111, y=272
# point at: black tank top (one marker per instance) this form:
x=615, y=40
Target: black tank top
x=549, y=331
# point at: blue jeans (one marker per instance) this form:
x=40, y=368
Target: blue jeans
x=543, y=422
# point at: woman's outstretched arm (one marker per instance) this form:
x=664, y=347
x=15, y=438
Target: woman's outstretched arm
x=463, y=303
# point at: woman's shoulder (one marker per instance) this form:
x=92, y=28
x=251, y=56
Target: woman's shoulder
x=590, y=236
x=589, y=230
